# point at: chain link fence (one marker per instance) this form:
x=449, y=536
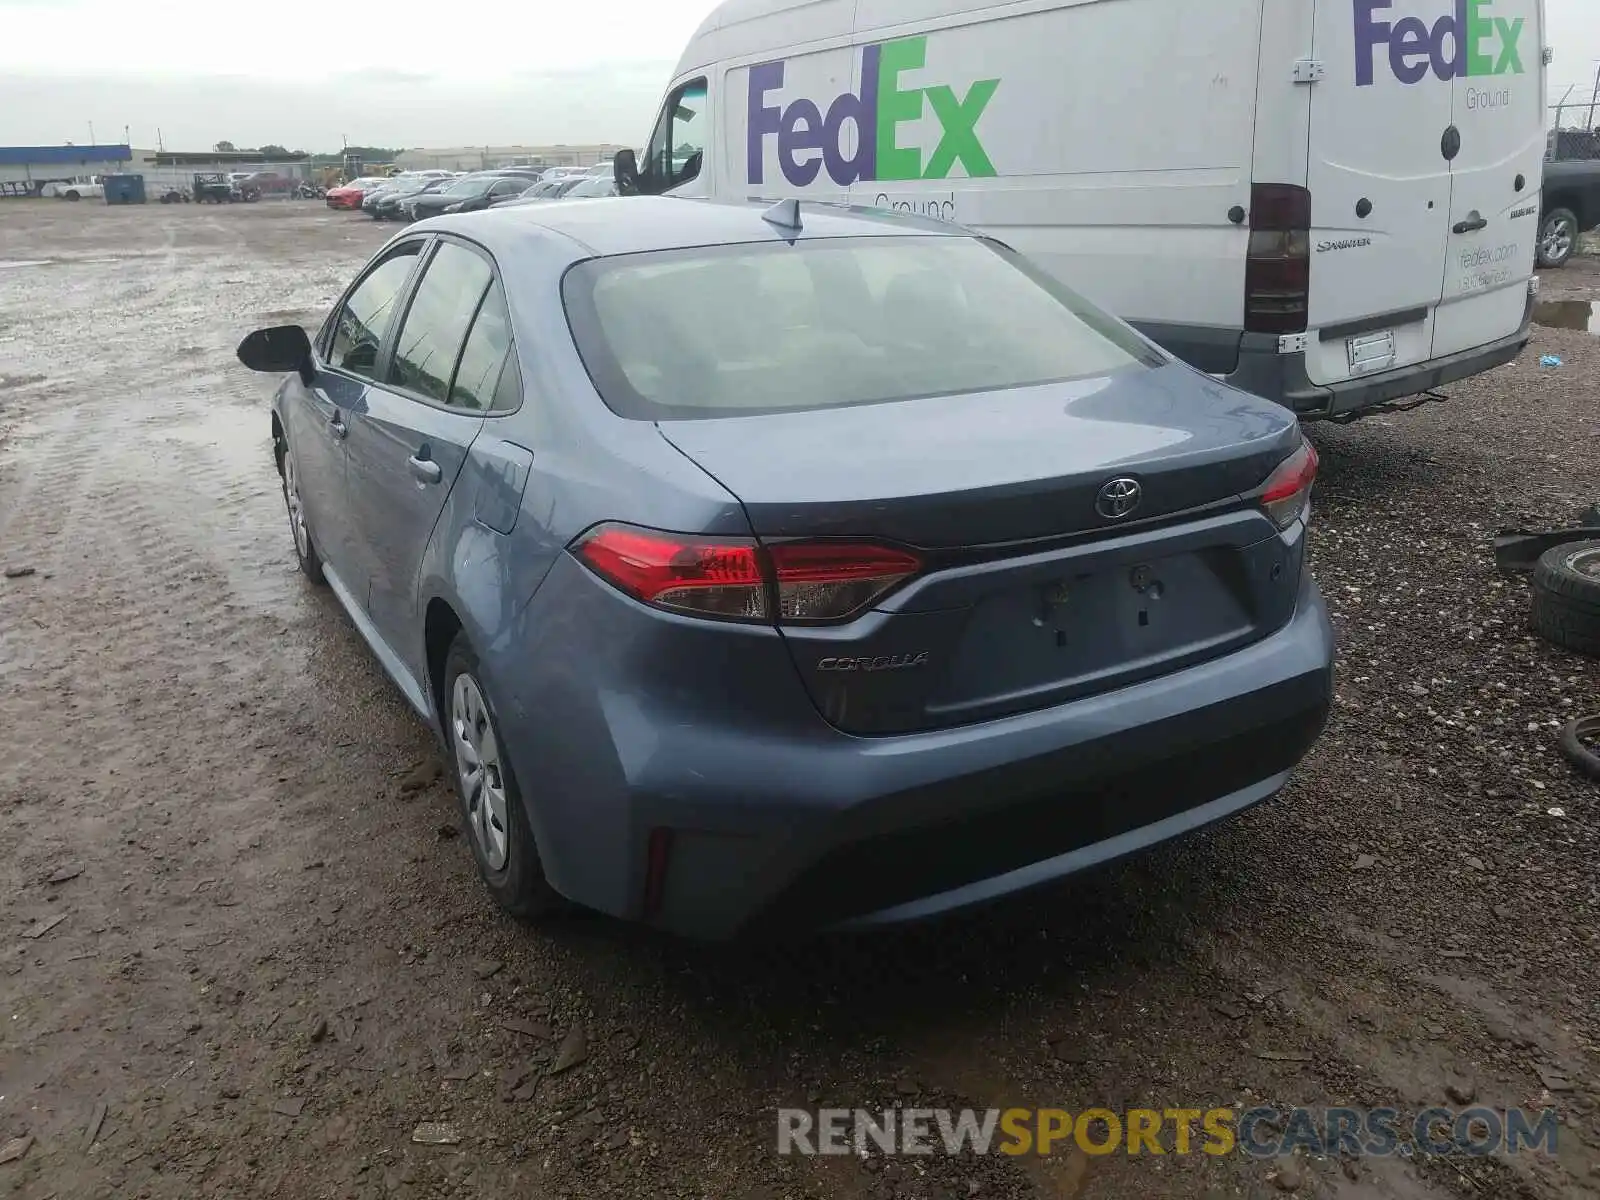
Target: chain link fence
x=1575, y=123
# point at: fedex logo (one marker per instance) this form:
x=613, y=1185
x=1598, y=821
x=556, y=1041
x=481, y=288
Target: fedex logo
x=1463, y=43
x=810, y=140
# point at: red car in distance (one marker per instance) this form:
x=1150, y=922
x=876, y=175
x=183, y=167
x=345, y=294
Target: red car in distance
x=349, y=195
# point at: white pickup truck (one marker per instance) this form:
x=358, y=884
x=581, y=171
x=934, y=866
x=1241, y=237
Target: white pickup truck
x=85, y=187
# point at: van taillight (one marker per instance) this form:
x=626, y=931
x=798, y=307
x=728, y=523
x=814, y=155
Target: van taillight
x=1277, y=277
x=733, y=578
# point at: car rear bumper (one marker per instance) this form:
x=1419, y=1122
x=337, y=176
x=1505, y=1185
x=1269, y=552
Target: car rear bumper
x=776, y=821
x=1282, y=377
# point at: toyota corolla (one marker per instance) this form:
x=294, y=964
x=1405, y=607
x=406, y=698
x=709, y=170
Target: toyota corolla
x=800, y=566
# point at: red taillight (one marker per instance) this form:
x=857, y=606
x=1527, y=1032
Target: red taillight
x=823, y=581
x=711, y=578
x=733, y=578
x=1289, y=487
x=1277, y=281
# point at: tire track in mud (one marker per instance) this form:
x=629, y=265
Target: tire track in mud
x=144, y=670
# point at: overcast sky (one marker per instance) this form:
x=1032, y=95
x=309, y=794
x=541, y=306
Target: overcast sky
x=305, y=73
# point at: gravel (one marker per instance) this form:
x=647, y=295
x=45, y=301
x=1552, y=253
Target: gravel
x=194, y=730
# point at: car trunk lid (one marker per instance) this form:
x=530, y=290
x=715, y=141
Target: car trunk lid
x=1031, y=593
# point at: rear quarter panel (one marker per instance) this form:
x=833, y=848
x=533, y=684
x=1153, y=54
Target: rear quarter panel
x=537, y=478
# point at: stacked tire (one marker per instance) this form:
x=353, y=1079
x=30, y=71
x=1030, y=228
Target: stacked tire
x=1566, y=597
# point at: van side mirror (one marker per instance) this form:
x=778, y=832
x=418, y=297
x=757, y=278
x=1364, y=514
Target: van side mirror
x=625, y=170
x=276, y=350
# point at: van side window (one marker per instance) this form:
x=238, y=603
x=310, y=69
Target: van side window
x=677, y=147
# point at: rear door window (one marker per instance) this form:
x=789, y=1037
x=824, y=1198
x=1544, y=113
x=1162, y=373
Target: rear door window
x=436, y=323
x=485, y=359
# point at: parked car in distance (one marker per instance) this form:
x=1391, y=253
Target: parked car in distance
x=349, y=195
x=464, y=195
x=559, y=188
x=591, y=185
x=242, y=187
x=545, y=189
x=84, y=187
x=387, y=207
x=271, y=183
x=1570, y=208
x=695, y=665
x=213, y=187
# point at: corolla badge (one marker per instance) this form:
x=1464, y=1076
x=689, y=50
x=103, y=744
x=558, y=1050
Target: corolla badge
x=1118, y=498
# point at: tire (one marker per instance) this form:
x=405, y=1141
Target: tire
x=1566, y=597
x=1576, y=741
x=1558, y=238
x=73, y=196
x=305, y=546
x=496, y=823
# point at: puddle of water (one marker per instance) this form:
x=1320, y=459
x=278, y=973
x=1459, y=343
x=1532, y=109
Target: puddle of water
x=6, y=263
x=1568, y=314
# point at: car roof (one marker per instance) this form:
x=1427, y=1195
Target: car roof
x=606, y=225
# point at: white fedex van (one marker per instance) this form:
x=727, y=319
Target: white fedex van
x=1332, y=203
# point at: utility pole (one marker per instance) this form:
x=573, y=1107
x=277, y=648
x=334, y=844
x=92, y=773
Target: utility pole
x=1594, y=98
x=92, y=142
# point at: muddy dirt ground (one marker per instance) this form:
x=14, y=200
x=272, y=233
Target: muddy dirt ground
x=243, y=951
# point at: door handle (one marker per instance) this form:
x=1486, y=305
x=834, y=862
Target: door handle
x=337, y=427
x=425, y=469
x=1472, y=224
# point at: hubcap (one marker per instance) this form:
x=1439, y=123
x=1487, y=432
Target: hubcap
x=1558, y=239
x=297, y=514
x=478, y=763
x=1585, y=562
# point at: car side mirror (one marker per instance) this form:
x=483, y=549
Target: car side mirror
x=276, y=350
x=625, y=170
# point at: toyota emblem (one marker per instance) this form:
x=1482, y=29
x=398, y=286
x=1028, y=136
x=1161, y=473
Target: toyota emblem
x=1118, y=498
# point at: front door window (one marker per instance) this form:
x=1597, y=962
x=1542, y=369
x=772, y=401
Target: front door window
x=678, y=146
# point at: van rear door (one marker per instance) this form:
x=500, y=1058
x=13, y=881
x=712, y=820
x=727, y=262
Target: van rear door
x=1380, y=184
x=1494, y=183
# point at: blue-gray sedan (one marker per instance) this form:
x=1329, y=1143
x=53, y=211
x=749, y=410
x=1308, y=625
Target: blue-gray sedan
x=807, y=566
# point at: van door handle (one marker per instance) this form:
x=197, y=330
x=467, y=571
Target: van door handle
x=1472, y=224
x=337, y=427
x=425, y=469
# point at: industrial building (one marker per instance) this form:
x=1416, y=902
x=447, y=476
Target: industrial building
x=483, y=158
x=26, y=169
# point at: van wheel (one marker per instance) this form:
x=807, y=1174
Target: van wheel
x=1558, y=237
x=1566, y=597
x=74, y=196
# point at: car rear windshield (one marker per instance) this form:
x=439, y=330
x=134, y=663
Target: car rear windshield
x=822, y=323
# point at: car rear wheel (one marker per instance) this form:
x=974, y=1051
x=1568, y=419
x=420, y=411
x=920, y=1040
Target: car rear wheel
x=305, y=548
x=1558, y=238
x=74, y=196
x=1566, y=597
x=491, y=803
